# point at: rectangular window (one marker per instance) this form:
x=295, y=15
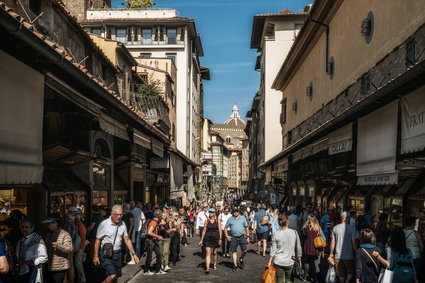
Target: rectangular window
x=145, y=55
x=147, y=36
x=172, y=36
x=410, y=52
x=269, y=34
x=96, y=31
x=121, y=34
x=172, y=56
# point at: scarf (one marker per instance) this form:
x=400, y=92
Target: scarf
x=367, y=246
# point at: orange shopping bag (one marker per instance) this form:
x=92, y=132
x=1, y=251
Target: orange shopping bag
x=269, y=275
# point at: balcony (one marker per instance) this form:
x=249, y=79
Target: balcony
x=156, y=111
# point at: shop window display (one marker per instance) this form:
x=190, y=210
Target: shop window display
x=61, y=201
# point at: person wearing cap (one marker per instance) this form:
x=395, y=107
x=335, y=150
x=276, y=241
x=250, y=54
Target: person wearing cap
x=112, y=231
x=59, y=249
x=211, y=238
x=342, y=249
x=237, y=233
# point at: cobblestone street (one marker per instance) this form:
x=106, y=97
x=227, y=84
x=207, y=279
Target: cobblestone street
x=191, y=268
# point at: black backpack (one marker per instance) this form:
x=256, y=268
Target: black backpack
x=9, y=252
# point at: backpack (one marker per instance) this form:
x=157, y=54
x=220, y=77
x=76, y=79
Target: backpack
x=360, y=223
x=403, y=268
x=265, y=220
x=9, y=252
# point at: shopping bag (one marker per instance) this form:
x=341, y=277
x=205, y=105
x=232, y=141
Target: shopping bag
x=386, y=276
x=331, y=275
x=269, y=275
x=298, y=271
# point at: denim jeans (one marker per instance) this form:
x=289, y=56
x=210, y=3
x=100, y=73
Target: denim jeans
x=78, y=263
x=137, y=243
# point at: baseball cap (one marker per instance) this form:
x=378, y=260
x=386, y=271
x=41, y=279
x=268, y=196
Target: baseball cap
x=50, y=220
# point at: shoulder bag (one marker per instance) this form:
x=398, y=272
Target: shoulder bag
x=319, y=242
x=108, y=248
x=298, y=271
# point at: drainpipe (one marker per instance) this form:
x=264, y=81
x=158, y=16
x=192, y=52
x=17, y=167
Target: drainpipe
x=327, y=40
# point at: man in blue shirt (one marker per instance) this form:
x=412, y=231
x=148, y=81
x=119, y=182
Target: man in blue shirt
x=238, y=230
x=261, y=228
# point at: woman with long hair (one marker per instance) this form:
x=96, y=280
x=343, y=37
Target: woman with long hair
x=367, y=267
x=311, y=230
x=175, y=234
x=211, y=238
x=399, y=258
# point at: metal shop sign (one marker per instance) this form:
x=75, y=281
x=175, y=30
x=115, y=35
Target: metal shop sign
x=342, y=146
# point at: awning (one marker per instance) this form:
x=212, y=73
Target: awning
x=341, y=140
x=141, y=139
x=303, y=153
x=157, y=147
x=113, y=127
x=376, y=147
x=21, y=122
x=282, y=165
x=320, y=145
x=413, y=121
x=176, y=174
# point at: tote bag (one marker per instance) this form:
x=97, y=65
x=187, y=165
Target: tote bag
x=386, y=276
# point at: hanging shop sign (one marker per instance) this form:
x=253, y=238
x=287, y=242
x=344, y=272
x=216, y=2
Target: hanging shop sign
x=413, y=121
x=341, y=140
x=376, y=147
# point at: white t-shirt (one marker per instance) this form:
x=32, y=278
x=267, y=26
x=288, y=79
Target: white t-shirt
x=138, y=217
x=223, y=219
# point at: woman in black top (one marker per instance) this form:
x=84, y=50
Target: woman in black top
x=367, y=266
x=164, y=232
x=211, y=238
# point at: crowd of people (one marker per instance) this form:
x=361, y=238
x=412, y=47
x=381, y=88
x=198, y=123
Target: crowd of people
x=357, y=248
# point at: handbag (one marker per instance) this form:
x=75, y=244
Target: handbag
x=297, y=270
x=331, y=275
x=108, y=248
x=386, y=276
x=319, y=242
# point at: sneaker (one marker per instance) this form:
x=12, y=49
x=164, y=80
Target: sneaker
x=241, y=264
x=234, y=268
x=148, y=273
x=166, y=268
x=160, y=272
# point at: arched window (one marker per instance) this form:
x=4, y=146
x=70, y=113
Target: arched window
x=101, y=148
x=228, y=139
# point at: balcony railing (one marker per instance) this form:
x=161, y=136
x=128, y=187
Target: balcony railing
x=156, y=111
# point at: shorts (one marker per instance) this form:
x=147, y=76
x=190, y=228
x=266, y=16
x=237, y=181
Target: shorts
x=235, y=241
x=344, y=267
x=113, y=265
x=262, y=236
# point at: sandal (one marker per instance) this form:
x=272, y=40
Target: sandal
x=215, y=268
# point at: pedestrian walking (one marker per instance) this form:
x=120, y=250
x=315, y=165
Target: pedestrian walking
x=399, y=258
x=59, y=249
x=415, y=243
x=176, y=234
x=261, y=225
x=285, y=245
x=31, y=253
x=138, y=220
x=200, y=222
x=79, y=254
x=225, y=244
x=237, y=233
x=128, y=219
x=367, y=266
x=311, y=230
x=342, y=249
x=152, y=245
x=164, y=232
x=110, y=235
x=274, y=223
x=4, y=265
x=69, y=226
x=293, y=218
x=211, y=238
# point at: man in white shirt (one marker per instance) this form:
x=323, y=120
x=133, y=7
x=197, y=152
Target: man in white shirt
x=225, y=245
x=31, y=253
x=200, y=221
x=138, y=220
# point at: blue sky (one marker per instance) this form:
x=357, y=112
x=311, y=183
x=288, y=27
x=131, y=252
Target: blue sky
x=225, y=29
